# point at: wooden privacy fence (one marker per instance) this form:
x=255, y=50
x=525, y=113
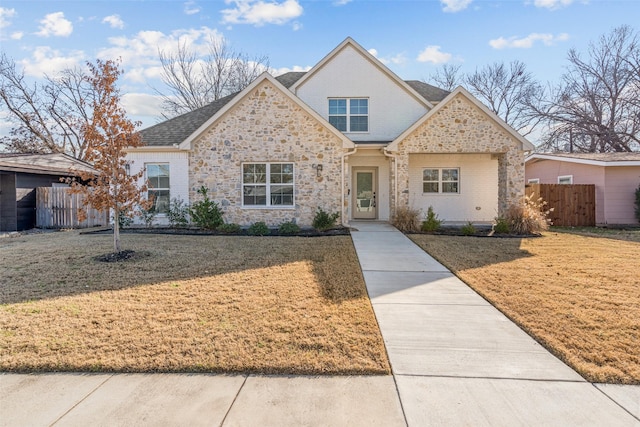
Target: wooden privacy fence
x=57, y=207
x=574, y=205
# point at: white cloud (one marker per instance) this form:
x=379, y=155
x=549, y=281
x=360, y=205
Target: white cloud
x=191, y=8
x=434, y=55
x=455, y=5
x=259, y=12
x=140, y=53
x=296, y=26
x=142, y=104
x=46, y=60
x=5, y=15
x=552, y=4
x=398, y=59
x=114, y=21
x=280, y=71
x=55, y=24
x=528, y=41
x=341, y=2
x=16, y=35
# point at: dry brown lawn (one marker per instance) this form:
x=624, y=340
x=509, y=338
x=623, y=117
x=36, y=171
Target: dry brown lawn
x=276, y=305
x=579, y=296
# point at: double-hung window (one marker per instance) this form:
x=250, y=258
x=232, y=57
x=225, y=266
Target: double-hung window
x=267, y=184
x=349, y=114
x=158, y=177
x=437, y=180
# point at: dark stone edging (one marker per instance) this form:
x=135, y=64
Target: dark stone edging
x=200, y=232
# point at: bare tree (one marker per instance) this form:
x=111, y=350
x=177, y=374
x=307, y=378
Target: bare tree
x=595, y=108
x=509, y=91
x=448, y=77
x=47, y=117
x=193, y=82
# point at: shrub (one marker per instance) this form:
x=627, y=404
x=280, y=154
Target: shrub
x=206, y=213
x=323, y=220
x=529, y=216
x=431, y=222
x=406, y=219
x=468, y=229
x=178, y=212
x=229, y=228
x=501, y=226
x=147, y=215
x=124, y=219
x=258, y=229
x=638, y=203
x=289, y=227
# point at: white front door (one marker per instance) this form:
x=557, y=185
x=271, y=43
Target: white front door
x=364, y=194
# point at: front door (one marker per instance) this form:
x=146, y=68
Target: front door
x=364, y=194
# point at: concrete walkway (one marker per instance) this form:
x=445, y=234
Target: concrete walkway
x=456, y=361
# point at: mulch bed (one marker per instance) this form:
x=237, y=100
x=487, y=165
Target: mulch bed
x=340, y=231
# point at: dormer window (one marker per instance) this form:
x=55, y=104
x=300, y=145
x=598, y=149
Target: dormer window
x=349, y=114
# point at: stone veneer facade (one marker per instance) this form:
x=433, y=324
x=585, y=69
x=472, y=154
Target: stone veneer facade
x=267, y=126
x=461, y=127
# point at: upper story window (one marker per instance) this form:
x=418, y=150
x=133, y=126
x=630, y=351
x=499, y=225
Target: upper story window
x=565, y=179
x=158, y=186
x=349, y=114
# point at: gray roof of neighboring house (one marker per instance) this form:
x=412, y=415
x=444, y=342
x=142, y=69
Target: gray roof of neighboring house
x=45, y=164
x=602, y=157
x=175, y=130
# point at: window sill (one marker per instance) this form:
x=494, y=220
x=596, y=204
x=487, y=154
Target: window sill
x=268, y=207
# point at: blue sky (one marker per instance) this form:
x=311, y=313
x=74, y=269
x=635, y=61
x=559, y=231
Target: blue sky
x=414, y=38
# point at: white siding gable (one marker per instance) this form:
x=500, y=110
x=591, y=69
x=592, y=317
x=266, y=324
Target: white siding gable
x=349, y=74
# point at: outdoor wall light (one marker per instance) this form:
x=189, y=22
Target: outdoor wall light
x=127, y=168
x=318, y=170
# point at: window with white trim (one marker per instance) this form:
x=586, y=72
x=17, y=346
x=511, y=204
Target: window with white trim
x=349, y=114
x=158, y=179
x=533, y=181
x=565, y=179
x=441, y=180
x=267, y=184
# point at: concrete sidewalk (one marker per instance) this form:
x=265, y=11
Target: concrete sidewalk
x=458, y=361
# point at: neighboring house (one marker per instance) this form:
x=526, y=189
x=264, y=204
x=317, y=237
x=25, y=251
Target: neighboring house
x=616, y=176
x=21, y=174
x=347, y=136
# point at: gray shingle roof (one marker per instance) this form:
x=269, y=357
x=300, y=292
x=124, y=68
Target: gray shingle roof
x=177, y=129
x=602, y=157
x=50, y=164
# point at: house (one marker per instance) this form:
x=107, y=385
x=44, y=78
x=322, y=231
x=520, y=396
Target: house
x=21, y=174
x=347, y=136
x=616, y=177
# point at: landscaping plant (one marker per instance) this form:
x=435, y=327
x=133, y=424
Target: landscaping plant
x=147, y=214
x=258, y=229
x=406, y=219
x=638, y=203
x=229, y=228
x=206, y=213
x=289, y=227
x=501, y=225
x=178, y=213
x=529, y=216
x=468, y=229
x=323, y=220
x=431, y=222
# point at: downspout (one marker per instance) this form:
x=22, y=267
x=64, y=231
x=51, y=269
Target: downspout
x=345, y=219
x=395, y=175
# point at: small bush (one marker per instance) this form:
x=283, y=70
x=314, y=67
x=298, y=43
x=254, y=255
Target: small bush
x=178, y=213
x=638, y=203
x=406, y=219
x=230, y=228
x=124, y=219
x=431, y=222
x=206, y=213
x=529, y=216
x=147, y=215
x=468, y=229
x=501, y=226
x=258, y=229
x=323, y=220
x=289, y=227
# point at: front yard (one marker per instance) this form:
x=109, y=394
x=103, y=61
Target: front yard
x=276, y=305
x=578, y=295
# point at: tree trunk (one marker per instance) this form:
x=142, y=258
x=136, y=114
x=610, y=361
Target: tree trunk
x=116, y=230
